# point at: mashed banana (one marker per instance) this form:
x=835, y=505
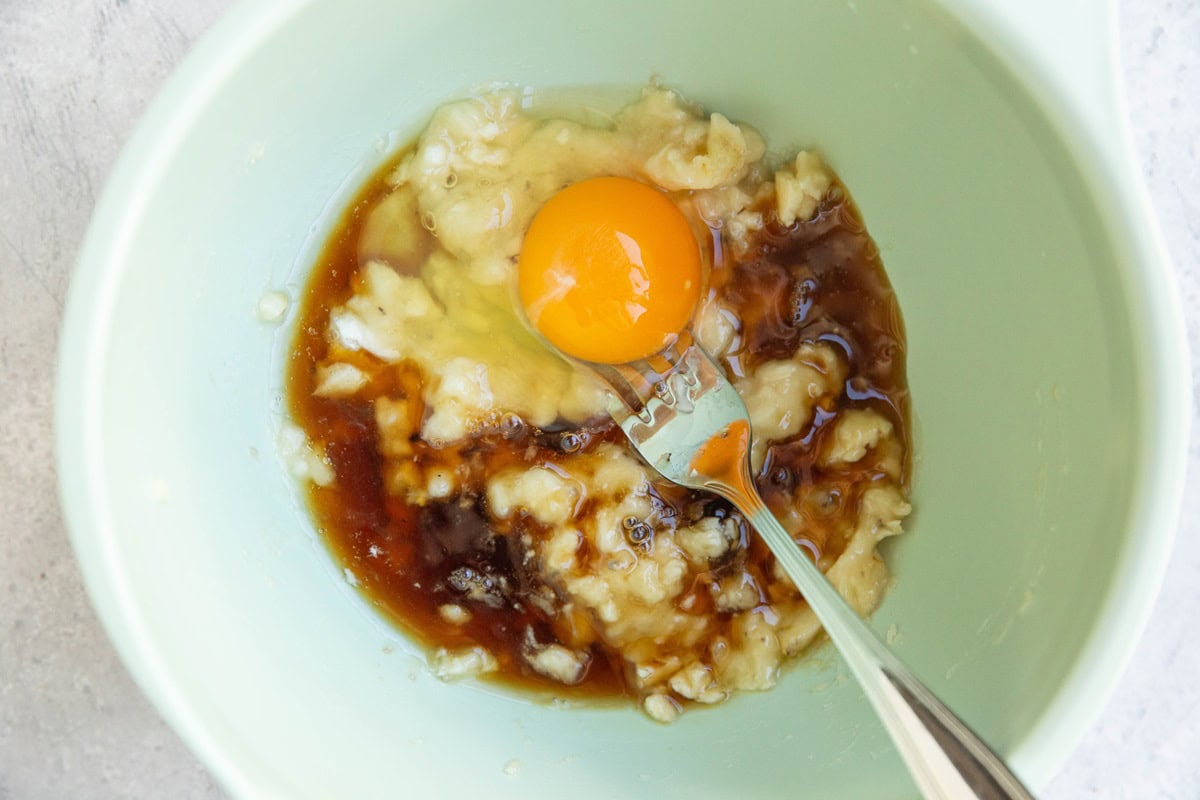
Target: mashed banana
x=608, y=557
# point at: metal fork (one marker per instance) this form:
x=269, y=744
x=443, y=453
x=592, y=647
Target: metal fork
x=690, y=424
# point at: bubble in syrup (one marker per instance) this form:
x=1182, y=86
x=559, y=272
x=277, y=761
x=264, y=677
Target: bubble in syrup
x=802, y=301
x=636, y=530
x=466, y=579
x=782, y=477
x=512, y=426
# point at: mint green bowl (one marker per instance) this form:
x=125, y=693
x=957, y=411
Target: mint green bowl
x=991, y=162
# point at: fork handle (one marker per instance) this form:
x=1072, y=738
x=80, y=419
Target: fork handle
x=946, y=759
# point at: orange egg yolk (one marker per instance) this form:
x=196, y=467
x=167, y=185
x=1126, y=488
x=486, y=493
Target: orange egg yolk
x=610, y=271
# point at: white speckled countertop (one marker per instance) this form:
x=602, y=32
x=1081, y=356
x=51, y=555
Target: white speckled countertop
x=75, y=76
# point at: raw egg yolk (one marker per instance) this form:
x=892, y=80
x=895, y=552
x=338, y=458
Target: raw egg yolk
x=610, y=271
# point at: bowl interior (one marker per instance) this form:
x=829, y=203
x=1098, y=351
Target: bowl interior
x=1028, y=406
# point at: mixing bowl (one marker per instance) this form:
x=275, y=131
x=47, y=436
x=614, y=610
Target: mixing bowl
x=989, y=157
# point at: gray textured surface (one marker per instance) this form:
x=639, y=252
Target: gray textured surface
x=75, y=76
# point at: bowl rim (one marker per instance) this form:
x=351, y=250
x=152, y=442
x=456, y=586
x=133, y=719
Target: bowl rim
x=215, y=59
x=1117, y=186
